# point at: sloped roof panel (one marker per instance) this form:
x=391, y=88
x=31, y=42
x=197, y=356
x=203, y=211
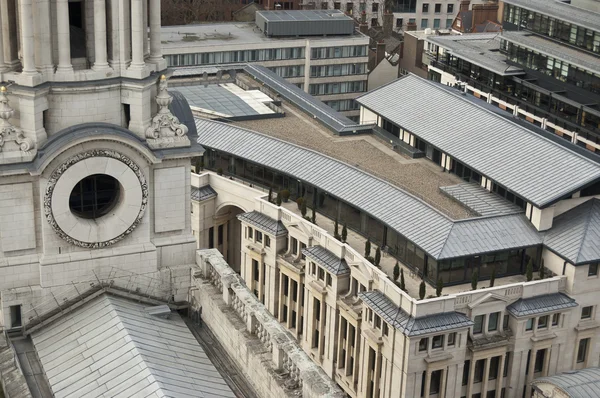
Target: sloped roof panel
x=541, y=304
x=203, y=193
x=264, y=222
x=584, y=383
x=575, y=234
x=536, y=168
x=112, y=347
x=327, y=259
x=562, y=11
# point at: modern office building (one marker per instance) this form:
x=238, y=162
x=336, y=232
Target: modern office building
x=329, y=64
x=543, y=67
x=525, y=211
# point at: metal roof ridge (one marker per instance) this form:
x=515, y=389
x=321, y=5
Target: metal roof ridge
x=587, y=220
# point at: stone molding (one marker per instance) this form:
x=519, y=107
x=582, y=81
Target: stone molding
x=12, y=135
x=60, y=170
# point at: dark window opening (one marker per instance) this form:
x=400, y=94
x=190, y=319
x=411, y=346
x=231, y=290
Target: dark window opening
x=15, y=316
x=211, y=237
x=94, y=196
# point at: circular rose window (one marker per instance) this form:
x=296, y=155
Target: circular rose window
x=96, y=198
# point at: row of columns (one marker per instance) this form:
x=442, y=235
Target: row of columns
x=28, y=43
x=486, y=375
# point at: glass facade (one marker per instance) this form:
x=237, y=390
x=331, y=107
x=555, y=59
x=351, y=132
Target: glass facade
x=288, y=71
x=454, y=271
x=338, y=70
x=338, y=52
x=578, y=36
x=226, y=57
x=338, y=88
x=343, y=105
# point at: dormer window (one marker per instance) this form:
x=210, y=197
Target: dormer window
x=493, y=321
x=478, y=326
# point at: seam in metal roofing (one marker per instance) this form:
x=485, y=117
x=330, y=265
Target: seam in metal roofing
x=309, y=104
x=432, y=231
x=561, y=11
x=264, y=222
x=327, y=259
x=584, y=383
x=111, y=347
x=526, y=163
x=409, y=325
x=203, y=193
x=575, y=234
x=540, y=304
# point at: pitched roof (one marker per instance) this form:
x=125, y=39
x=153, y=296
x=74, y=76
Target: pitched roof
x=430, y=230
x=540, y=304
x=113, y=347
x=409, y=325
x=203, y=193
x=327, y=259
x=263, y=222
x=575, y=234
x=561, y=11
x=526, y=163
x=584, y=383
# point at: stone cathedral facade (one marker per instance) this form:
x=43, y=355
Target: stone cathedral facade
x=94, y=167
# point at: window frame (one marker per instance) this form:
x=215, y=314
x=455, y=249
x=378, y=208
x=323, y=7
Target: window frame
x=582, y=355
x=423, y=344
x=584, y=309
x=440, y=342
x=542, y=324
x=496, y=316
x=479, y=330
x=451, y=342
x=529, y=324
x=593, y=269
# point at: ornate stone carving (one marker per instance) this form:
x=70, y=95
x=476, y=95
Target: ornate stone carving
x=166, y=131
x=59, y=171
x=8, y=132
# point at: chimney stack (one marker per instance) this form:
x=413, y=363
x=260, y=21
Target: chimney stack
x=388, y=23
x=464, y=5
x=380, y=54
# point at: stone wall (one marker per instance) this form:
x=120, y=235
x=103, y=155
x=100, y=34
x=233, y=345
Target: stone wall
x=267, y=353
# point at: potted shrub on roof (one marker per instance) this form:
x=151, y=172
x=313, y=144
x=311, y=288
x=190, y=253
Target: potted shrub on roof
x=285, y=195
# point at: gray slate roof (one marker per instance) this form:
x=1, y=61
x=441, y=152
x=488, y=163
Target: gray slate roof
x=263, y=222
x=533, y=167
x=539, y=304
x=584, y=383
x=331, y=118
x=561, y=11
x=432, y=231
x=575, y=234
x=408, y=325
x=480, y=49
x=327, y=260
x=203, y=193
x=479, y=200
x=112, y=347
x=555, y=49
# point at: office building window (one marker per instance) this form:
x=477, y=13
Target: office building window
x=555, y=319
x=438, y=8
x=478, y=326
x=425, y=7
x=267, y=241
x=586, y=312
x=423, y=344
x=436, y=379
x=465, y=377
x=505, y=322
x=449, y=23
x=529, y=324
x=250, y=233
x=437, y=341
x=582, y=350
x=478, y=376
x=450, y=8
x=399, y=23
x=593, y=269
x=424, y=23
x=494, y=364
x=259, y=236
x=436, y=23
x=493, y=321
x=542, y=322
x=375, y=7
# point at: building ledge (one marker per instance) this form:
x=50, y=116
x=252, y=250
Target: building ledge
x=497, y=340
x=546, y=336
x=373, y=335
x=318, y=288
x=587, y=325
x=438, y=357
x=256, y=249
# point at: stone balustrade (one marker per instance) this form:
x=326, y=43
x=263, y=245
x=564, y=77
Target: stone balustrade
x=298, y=373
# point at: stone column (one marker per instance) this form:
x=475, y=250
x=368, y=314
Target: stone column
x=137, y=35
x=471, y=376
x=442, y=393
x=281, y=295
x=530, y=371
x=43, y=37
x=100, y=52
x=427, y=383
x=500, y=376
x=155, y=45
x=27, y=44
x=3, y=66
x=289, y=304
x=486, y=377
x=64, y=36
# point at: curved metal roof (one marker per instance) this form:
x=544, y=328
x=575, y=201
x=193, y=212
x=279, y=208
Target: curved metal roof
x=584, y=383
x=436, y=234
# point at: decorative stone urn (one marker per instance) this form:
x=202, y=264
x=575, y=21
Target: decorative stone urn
x=166, y=131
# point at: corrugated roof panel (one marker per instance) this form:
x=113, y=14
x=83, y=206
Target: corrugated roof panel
x=584, y=383
x=540, y=304
x=327, y=259
x=517, y=158
x=264, y=222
